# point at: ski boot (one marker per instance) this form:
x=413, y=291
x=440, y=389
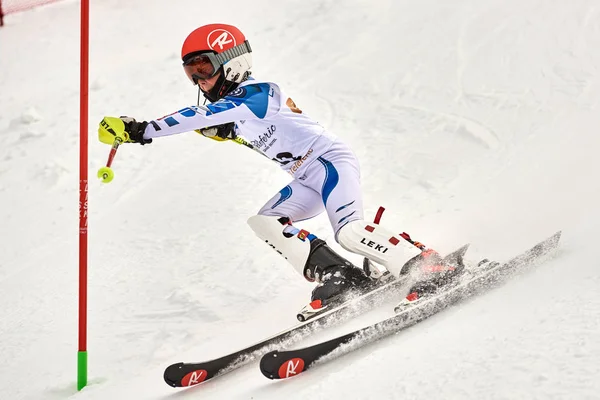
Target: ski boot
x=338, y=279
x=433, y=272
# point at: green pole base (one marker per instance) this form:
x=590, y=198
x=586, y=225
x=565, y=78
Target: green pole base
x=81, y=369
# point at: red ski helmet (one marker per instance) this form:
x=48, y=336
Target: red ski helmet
x=211, y=47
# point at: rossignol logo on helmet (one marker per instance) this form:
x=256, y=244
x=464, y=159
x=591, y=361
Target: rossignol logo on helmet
x=220, y=40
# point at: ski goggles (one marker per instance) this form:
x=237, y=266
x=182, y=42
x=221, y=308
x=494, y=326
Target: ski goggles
x=206, y=65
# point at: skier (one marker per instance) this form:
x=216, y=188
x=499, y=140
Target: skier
x=325, y=172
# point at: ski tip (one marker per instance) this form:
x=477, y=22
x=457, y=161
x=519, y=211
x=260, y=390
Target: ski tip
x=268, y=363
x=462, y=250
x=457, y=255
x=274, y=365
x=552, y=241
x=183, y=375
x=170, y=373
x=557, y=235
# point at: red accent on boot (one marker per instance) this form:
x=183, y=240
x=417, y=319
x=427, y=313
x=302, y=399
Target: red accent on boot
x=394, y=240
x=303, y=234
x=316, y=304
x=437, y=268
x=378, y=215
x=369, y=228
x=412, y=296
x=427, y=253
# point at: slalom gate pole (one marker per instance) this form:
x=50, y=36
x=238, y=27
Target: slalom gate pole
x=82, y=360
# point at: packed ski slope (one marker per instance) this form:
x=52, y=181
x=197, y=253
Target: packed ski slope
x=473, y=121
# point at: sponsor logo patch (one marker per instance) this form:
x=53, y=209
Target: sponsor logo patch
x=263, y=141
x=299, y=162
x=372, y=244
x=239, y=92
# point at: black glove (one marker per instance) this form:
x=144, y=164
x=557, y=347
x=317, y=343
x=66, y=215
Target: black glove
x=223, y=131
x=135, y=130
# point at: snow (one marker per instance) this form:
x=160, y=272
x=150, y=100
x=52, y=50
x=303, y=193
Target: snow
x=473, y=121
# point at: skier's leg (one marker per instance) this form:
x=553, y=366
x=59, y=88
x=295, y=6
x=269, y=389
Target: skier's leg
x=295, y=201
x=341, y=194
x=336, y=176
x=309, y=255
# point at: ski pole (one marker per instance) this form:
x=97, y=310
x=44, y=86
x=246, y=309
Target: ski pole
x=106, y=173
x=244, y=142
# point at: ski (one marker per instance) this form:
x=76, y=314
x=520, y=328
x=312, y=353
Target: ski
x=190, y=374
x=285, y=364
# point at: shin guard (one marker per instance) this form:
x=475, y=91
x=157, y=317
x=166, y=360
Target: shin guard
x=377, y=244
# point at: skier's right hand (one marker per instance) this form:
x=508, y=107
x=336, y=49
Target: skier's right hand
x=219, y=132
x=126, y=129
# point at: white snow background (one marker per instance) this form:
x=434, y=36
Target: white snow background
x=474, y=121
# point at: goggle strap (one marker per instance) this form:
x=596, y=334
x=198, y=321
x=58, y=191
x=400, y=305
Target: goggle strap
x=236, y=51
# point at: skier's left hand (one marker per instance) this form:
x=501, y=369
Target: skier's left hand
x=136, y=130
x=219, y=132
x=127, y=129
